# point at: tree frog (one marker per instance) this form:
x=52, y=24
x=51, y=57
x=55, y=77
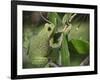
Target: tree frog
x=38, y=47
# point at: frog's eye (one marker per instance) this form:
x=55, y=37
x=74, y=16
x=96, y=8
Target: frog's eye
x=49, y=29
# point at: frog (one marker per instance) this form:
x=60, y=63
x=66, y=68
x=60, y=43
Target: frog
x=38, y=49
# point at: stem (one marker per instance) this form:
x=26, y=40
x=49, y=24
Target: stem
x=44, y=18
x=71, y=18
x=85, y=61
x=53, y=64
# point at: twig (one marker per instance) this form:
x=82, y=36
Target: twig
x=71, y=18
x=53, y=64
x=85, y=61
x=44, y=18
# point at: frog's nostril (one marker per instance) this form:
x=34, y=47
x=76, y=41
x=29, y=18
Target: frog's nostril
x=49, y=29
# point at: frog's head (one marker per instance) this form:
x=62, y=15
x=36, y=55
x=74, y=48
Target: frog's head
x=49, y=28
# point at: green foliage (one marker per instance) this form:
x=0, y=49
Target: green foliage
x=78, y=51
x=80, y=29
x=52, y=17
x=65, y=54
x=80, y=46
x=62, y=41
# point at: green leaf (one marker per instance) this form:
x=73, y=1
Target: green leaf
x=80, y=28
x=55, y=18
x=79, y=50
x=65, y=55
x=80, y=46
x=52, y=17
